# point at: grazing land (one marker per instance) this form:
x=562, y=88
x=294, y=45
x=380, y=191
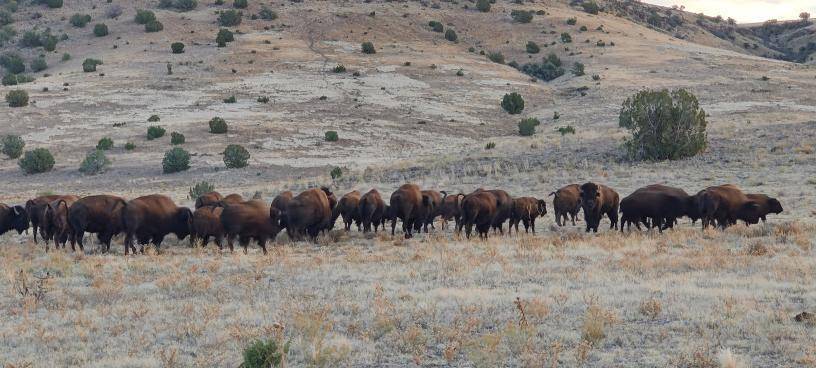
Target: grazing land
x=421, y=109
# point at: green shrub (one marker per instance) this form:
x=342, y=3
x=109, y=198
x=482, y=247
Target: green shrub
x=664, y=125
x=436, y=26
x=66, y=56
x=532, y=48
x=339, y=68
x=100, y=30
x=331, y=136
x=336, y=173
x=80, y=20
x=591, y=7
x=564, y=130
x=15, y=79
x=368, y=48
x=180, y=5
x=53, y=4
x=230, y=18
x=154, y=132
x=236, y=156
x=89, y=65
x=218, y=125
x=572, y=21
x=13, y=63
x=566, y=38
x=522, y=16
x=153, y=118
x=95, y=163
x=200, y=189
x=7, y=33
x=527, y=126
x=130, y=146
x=578, y=69
x=176, y=138
x=549, y=68
x=175, y=160
x=263, y=99
x=230, y=99
x=490, y=145
x=13, y=146
x=153, y=26
x=264, y=354
x=36, y=161
x=17, y=98
x=38, y=64
x=144, y=16
x=5, y=18
x=496, y=57
x=240, y=4
x=224, y=36
x=267, y=14
x=177, y=47
x=483, y=5
x=450, y=35
x=104, y=144
x=512, y=103
x=460, y=73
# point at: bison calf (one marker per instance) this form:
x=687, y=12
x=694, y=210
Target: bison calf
x=526, y=210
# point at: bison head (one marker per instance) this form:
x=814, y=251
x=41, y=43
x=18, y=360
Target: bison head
x=542, y=207
x=16, y=219
x=184, y=223
x=590, y=196
x=774, y=206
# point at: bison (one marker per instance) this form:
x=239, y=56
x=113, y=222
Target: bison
x=206, y=224
x=725, y=204
x=767, y=205
x=100, y=214
x=54, y=221
x=280, y=202
x=150, y=218
x=526, y=210
x=309, y=213
x=504, y=209
x=348, y=208
x=479, y=209
x=232, y=199
x=13, y=218
x=435, y=200
x=35, y=208
x=250, y=220
x=566, y=203
x=450, y=209
x=208, y=199
x=598, y=200
x=371, y=210
x=657, y=206
x=409, y=205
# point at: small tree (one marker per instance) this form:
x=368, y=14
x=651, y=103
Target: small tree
x=264, y=354
x=144, y=16
x=153, y=118
x=95, y=163
x=79, y=20
x=566, y=38
x=89, y=65
x=177, y=47
x=496, y=57
x=224, y=35
x=218, y=125
x=176, y=138
x=513, y=103
x=230, y=18
x=591, y=7
x=199, y=189
x=805, y=16
x=175, y=160
x=153, y=26
x=532, y=48
x=336, y=173
x=13, y=146
x=100, y=30
x=37, y=161
x=17, y=98
x=39, y=64
x=368, y=48
x=527, y=126
x=104, y=144
x=665, y=125
x=154, y=132
x=578, y=69
x=236, y=156
x=522, y=16
x=436, y=26
x=331, y=136
x=240, y=4
x=267, y=14
x=450, y=35
x=483, y=5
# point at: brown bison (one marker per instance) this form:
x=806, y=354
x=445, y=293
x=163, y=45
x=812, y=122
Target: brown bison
x=54, y=221
x=526, y=210
x=450, y=209
x=479, y=209
x=348, y=208
x=767, y=205
x=598, y=200
x=371, y=210
x=35, y=208
x=504, y=209
x=232, y=199
x=280, y=202
x=309, y=213
x=208, y=199
x=250, y=220
x=100, y=214
x=433, y=210
x=206, y=224
x=13, y=218
x=725, y=204
x=150, y=218
x=409, y=205
x=566, y=203
x=657, y=206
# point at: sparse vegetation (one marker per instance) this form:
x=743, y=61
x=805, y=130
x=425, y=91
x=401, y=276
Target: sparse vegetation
x=224, y=36
x=175, y=160
x=522, y=16
x=267, y=14
x=566, y=38
x=17, y=98
x=513, y=103
x=100, y=30
x=450, y=35
x=532, y=48
x=154, y=26
x=130, y=146
x=104, y=144
x=37, y=161
x=368, y=48
x=89, y=65
x=218, y=126
x=200, y=189
x=496, y=57
x=264, y=354
x=490, y=145
x=591, y=7
x=483, y=5
x=572, y=21
x=144, y=16
x=339, y=68
x=550, y=68
x=12, y=146
x=230, y=18
x=230, y=99
x=236, y=156
x=664, y=125
x=240, y=4
x=153, y=118
x=336, y=173
x=564, y=130
x=95, y=162
x=180, y=5
x=176, y=138
x=578, y=69
x=38, y=64
x=436, y=26
x=80, y=20
x=177, y=47
x=155, y=132
x=527, y=126
x=331, y=136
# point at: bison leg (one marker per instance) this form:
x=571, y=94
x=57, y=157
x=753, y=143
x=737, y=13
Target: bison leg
x=262, y=243
x=34, y=227
x=393, y=226
x=157, y=240
x=407, y=227
x=129, y=243
x=244, y=241
x=219, y=241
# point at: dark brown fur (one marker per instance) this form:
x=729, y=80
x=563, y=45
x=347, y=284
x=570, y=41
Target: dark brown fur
x=250, y=220
x=148, y=219
x=348, y=208
x=280, y=202
x=566, y=203
x=725, y=204
x=13, y=218
x=100, y=214
x=232, y=199
x=767, y=205
x=407, y=205
x=526, y=210
x=433, y=208
x=208, y=199
x=598, y=200
x=35, y=208
x=309, y=213
x=54, y=221
x=206, y=224
x=479, y=209
x=371, y=210
x=450, y=209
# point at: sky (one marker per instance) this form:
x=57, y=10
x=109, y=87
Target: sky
x=746, y=11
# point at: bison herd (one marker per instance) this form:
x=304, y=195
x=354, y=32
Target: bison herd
x=148, y=219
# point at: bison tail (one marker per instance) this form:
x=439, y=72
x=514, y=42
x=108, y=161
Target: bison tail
x=552, y=194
